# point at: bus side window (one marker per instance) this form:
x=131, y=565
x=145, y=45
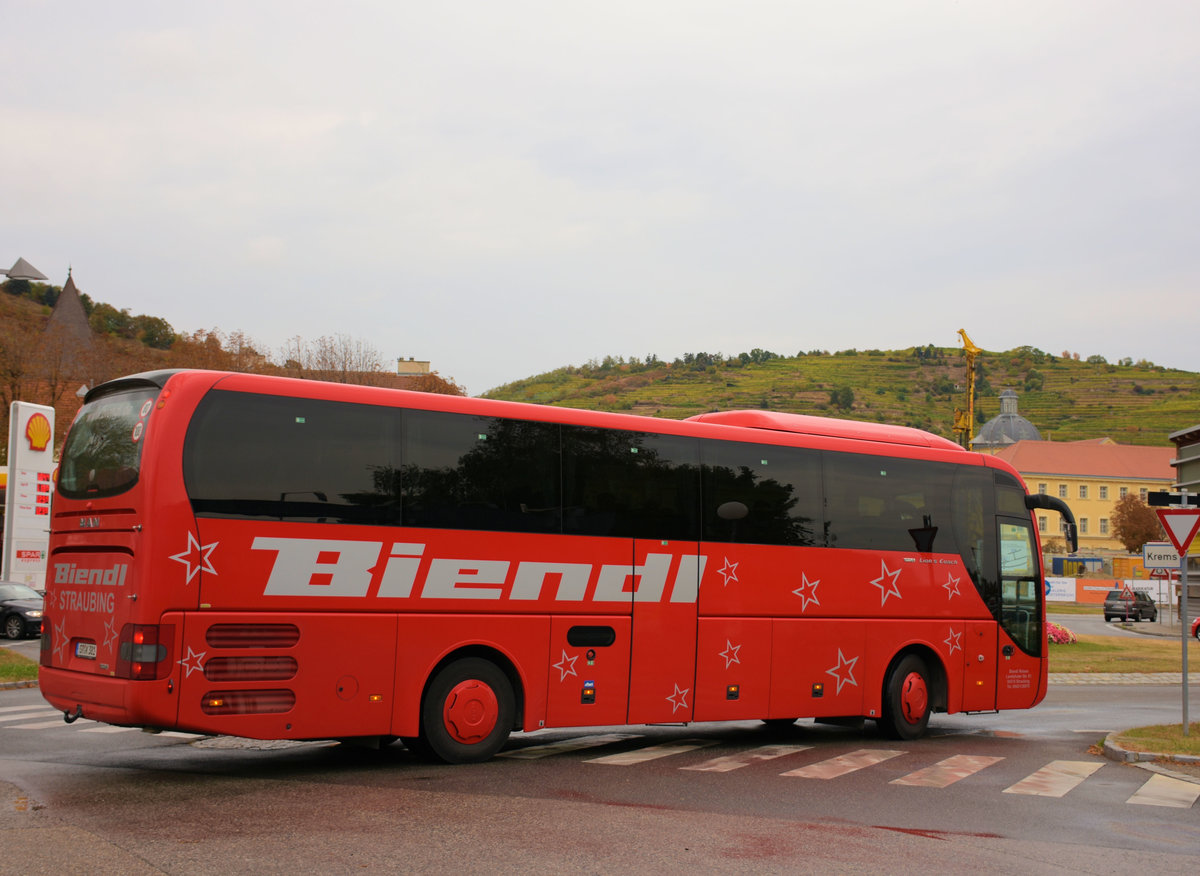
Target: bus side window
x=887, y=503
x=630, y=484
x=761, y=494
x=467, y=472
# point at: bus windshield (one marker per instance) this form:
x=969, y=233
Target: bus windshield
x=104, y=448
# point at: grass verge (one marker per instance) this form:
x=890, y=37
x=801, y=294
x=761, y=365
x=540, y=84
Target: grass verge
x=1162, y=738
x=1120, y=654
x=16, y=667
x=1074, y=608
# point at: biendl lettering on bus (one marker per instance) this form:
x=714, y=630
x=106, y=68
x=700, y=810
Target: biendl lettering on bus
x=69, y=573
x=351, y=568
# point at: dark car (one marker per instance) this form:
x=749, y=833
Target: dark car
x=1129, y=605
x=20, y=610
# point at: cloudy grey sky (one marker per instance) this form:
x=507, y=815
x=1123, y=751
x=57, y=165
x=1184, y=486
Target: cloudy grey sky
x=506, y=188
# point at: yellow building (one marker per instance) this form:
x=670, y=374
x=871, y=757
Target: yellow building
x=1090, y=476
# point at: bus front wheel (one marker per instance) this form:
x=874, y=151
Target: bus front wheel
x=906, y=700
x=467, y=712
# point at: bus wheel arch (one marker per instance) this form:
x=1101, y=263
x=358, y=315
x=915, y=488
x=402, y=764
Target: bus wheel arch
x=914, y=687
x=471, y=702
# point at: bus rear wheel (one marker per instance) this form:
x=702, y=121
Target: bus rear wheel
x=906, y=700
x=467, y=712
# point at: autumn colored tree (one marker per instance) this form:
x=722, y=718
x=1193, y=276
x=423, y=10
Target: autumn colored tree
x=1134, y=523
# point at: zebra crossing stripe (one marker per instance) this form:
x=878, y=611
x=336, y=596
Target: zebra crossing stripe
x=1163, y=790
x=6, y=709
x=105, y=728
x=947, y=772
x=1055, y=779
x=40, y=725
x=737, y=761
x=847, y=763
x=533, y=752
x=27, y=715
x=652, y=752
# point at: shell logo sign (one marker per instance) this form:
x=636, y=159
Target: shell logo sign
x=38, y=431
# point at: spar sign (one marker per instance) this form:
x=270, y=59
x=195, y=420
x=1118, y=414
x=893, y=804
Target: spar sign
x=30, y=488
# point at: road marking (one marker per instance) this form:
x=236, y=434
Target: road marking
x=652, y=752
x=41, y=725
x=533, y=752
x=1166, y=791
x=1055, y=779
x=37, y=712
x=105, y=728
x=737, y=761
x=847, y=763
x=947, y=772
x=7, y=709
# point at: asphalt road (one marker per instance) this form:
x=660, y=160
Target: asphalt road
x=1014, y=791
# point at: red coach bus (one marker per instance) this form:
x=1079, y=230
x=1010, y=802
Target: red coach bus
x=287, y=559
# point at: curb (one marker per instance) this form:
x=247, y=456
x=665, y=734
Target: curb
x=1112, y=751
x=16, y=685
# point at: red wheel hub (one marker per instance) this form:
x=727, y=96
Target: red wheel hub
x=914, y=698
x=471, y=711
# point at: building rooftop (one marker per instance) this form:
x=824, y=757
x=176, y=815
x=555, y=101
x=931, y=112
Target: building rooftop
x=1099, y=458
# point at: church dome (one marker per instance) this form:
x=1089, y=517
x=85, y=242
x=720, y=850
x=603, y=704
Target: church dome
x=1008, y=427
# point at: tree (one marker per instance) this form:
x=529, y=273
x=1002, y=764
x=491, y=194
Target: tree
x=1134, y=523
x=842, y=398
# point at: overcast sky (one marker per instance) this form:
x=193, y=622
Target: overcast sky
x=506, y=188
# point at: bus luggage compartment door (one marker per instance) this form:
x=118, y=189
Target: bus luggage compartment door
x=665, y=582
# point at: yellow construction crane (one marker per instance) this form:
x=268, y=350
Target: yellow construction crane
x=964, y=421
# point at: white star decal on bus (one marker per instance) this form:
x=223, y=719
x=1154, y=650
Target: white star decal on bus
x=807, y=591
x=110, y=631
x=953, y=641
x=730, y=653
x=844, y=671
x=196, y=557
x=191, y=663
x=565, y=666
x=951, y=586
x=60, y=638
x=678, y=700
x=728, y=572
x=889, y=589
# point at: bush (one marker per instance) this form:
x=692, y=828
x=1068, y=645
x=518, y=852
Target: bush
x=1059, y=635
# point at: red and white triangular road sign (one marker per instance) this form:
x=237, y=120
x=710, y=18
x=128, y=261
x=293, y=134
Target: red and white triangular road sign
x=1181, y=525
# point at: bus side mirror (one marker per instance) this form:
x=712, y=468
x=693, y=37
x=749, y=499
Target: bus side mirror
x=1052, y=503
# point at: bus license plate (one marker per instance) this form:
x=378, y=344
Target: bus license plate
x=85, y=649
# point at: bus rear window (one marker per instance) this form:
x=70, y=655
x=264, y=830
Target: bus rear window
x=103, y=450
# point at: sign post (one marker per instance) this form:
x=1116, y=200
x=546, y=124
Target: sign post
x=1181, y=523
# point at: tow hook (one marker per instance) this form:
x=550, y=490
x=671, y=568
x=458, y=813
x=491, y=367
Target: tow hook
x=72, y=718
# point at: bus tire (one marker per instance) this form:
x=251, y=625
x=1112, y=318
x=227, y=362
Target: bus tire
x=467, y=712
x=907, y=698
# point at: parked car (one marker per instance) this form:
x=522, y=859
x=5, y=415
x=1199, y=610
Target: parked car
x=1119, y=606
x=20, y=610
x=1196, y=628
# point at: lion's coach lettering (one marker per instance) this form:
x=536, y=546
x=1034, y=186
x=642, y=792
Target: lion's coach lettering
x=333, y=567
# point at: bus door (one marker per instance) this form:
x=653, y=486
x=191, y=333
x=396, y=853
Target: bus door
x=662, y=678
x=1022, y=642
x=979, y=669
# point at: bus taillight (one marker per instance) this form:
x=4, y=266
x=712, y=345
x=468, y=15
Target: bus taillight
x=145, y=651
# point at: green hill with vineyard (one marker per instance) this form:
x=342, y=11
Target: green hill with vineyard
x=1067, y=397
